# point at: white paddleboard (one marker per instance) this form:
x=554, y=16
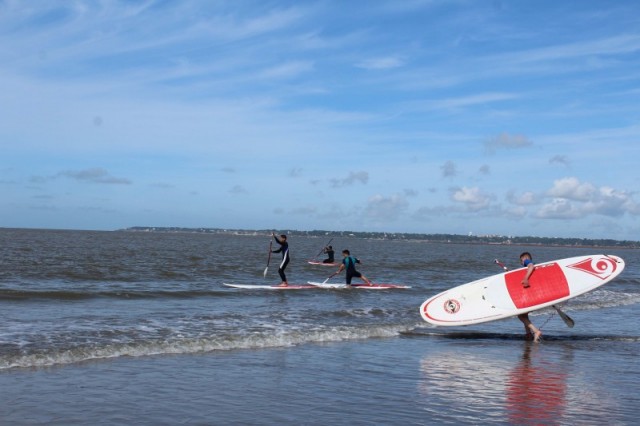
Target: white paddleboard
x=358, y=286
x=502, y=296
x=321, y=263
x=269, y=287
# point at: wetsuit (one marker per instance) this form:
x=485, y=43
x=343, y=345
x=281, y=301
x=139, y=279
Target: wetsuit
x=284, y=249
x=350, y=265
x=330, y=253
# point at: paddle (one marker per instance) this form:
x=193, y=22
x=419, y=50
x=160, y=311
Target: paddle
x=566, y=318
x=330, y=276
x=268, y=260
x=321, y=250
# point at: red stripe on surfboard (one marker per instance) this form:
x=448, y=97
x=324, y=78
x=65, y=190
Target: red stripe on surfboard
x=546, y=284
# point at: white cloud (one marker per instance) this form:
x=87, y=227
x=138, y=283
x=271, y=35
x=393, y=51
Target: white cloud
x=454, y=103
x=583, y=49
x=559, y=208
x=381, y=63
x=506, y=141
x=573, y=199
x=287, y=70
x=387, y=209
x=526, y=198
x=612, y=202
x=517, y=212
x=571, y=188
x=479, y=99
x=473, y=198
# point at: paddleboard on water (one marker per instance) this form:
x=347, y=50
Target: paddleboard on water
x=359, y=286
x=321, y=263
x=502, y=296
x=269, y=287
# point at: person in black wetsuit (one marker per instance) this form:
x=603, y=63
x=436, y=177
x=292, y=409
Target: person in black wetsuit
x=284, y=249
x=330, y=255
x=349, y=262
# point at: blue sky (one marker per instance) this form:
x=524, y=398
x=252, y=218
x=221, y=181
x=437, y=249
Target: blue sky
x=489, y=117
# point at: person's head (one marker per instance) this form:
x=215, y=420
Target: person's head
x=524, y=257
x=283, y=237
x=345, y=252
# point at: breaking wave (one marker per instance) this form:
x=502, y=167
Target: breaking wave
x=271, y=339
x=26, y=295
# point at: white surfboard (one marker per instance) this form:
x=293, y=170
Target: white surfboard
x=270, y=287
x=359, y=286
x=321, y=263
x=502, y=296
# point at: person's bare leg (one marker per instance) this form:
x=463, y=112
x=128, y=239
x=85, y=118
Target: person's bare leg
x=531, y=330
x=536, y=333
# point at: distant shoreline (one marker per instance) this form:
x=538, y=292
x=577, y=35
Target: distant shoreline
x=404, y=236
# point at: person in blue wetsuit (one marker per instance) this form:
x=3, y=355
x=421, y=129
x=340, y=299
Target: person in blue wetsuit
x=532, y=332
x=284, y=249
x=349, y=263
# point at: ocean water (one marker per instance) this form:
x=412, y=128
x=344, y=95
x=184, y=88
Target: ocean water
x=136, y=328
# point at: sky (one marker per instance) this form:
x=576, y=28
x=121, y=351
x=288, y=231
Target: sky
x=482, y=117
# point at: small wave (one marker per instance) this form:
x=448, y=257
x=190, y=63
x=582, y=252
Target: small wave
x=198, y=345
x=601, y=298
x=26, y=295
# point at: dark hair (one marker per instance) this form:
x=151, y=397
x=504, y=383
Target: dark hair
x=526, y=253
x=284, y=237
x=345, y=251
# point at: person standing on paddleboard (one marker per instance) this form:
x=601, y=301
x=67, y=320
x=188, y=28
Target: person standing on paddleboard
x=284, y=249
x=532, y=332
x=349, y=262
x=330, y=255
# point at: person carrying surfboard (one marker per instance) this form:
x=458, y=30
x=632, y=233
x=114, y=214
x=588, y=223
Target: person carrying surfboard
x=349, y=262
x=284, y=249
x=532, y=332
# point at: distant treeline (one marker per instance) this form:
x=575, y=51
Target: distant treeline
x=442, y=238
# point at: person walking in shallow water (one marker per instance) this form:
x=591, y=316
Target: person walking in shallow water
x=284, y=249
x=531, y=331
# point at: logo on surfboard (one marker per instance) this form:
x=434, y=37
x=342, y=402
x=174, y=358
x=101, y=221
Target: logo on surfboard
x=452, y=306
x=602, y=267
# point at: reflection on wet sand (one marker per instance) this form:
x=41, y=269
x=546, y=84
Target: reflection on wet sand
x=535, y=390
x=475, y=385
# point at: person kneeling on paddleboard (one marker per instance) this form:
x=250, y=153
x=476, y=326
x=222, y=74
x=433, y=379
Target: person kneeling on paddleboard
x=349, y=262
x=532, y=332
x=330, y=255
